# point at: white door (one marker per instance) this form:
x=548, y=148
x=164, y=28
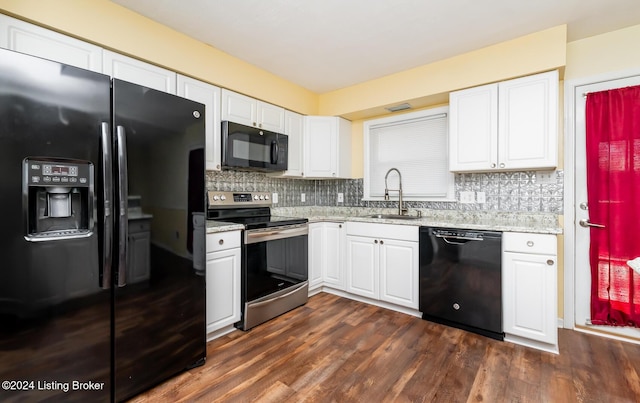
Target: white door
x=582, y=274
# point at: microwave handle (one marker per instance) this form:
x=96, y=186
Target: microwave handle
x=274, y=152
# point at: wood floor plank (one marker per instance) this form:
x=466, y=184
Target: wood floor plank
x=337, y=350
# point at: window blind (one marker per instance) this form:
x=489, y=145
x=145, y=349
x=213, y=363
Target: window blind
x=417, y=147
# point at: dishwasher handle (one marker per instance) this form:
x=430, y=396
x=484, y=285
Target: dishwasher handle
x=457, y=238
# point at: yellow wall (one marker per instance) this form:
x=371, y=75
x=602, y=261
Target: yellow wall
x=117, y=28
x=610, y=52
x=541, y=51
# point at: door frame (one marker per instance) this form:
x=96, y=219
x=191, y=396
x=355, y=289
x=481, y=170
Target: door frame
x=569, y=302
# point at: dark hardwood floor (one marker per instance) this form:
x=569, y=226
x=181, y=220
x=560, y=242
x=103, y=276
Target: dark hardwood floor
x=338, y=350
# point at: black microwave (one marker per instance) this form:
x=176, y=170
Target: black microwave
x=253, y=149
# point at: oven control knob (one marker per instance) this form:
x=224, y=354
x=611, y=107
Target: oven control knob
x=456, y=306
x=215, y=198
x=266, y=197
x=261, y=197
x=255, y=197
x=223, y=197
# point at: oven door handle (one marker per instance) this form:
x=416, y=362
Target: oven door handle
x=253, y=236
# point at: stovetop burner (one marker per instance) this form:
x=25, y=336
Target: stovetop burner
x=249, y=208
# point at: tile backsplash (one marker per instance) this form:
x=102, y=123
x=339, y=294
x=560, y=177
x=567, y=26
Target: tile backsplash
x=504, y=191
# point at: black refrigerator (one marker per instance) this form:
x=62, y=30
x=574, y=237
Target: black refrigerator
x=99, y=298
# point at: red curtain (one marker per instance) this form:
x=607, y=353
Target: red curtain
x=613, y=187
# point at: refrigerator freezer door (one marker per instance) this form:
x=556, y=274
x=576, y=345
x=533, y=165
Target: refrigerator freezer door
x=160, y=318
x=54, y=314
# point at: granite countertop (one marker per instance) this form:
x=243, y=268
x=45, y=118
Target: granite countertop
x=542, y=223
x=219, y=226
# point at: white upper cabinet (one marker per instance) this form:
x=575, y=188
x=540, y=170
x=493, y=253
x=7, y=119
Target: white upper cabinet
x=138, y=72
x=248, y=111
x=511, y=125
x=209, y=95
x=473, y=128
x=294, y=128
x=36, y=41
x=327, y=147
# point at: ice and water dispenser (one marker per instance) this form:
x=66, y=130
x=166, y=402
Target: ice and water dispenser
x=59, y=199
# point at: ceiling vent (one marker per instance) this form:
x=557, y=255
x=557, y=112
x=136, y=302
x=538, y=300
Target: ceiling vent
x=400, y=107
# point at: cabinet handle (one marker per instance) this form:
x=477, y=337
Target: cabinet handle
x=376, y=241
x=381, y=242
x=255, y=124
x=339, y=225
x=502, y=165
x=221, y=242
x=493, y=165
x=530, y=244
x=550, y=262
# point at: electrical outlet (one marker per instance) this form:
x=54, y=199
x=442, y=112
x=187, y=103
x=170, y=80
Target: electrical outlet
x=274, y=198
x=467, y=197
x=481, y=197
x=303, y=197
x=340, y=197
x=546, y=177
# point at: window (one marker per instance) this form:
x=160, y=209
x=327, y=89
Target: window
x=417, y=145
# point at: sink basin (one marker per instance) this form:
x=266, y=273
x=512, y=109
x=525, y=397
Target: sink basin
x=394, y=216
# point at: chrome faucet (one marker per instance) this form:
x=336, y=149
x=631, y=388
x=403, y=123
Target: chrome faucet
x=401, y=209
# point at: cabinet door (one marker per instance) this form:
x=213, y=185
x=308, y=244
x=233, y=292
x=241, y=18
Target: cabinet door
x=399, y=272
x=320, y=147
x=138, y=72
x=530, y=300
x=362, y=266
x=270, y=117
x=316, y=254
x=209, y=95
x=223, y=288
x=473, y=129
x=36, y=41
x=239, y=108
x=294, y=128
x=528, y=122
x=333, y=269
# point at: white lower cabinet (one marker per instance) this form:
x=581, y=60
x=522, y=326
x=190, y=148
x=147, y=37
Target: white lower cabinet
x=530, y=290
x=382, y=262
x=326, y=266
x=223, y=281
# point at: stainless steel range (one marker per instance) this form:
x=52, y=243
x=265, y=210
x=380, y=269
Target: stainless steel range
x=274, y=255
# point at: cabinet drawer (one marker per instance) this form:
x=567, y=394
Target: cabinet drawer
x=385, y=231
x=136, y=226
x=529, y=243
x=223, y=240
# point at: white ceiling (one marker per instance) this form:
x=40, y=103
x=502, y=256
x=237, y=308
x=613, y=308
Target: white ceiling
x=324, y=45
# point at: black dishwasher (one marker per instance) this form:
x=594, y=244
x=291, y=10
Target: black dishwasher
x=461, y=279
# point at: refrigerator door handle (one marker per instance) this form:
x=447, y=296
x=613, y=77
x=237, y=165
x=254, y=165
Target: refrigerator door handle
x=107, y=177
x=123, y=219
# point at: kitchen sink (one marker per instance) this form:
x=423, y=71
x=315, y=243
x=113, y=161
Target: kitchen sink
x=394, y=216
